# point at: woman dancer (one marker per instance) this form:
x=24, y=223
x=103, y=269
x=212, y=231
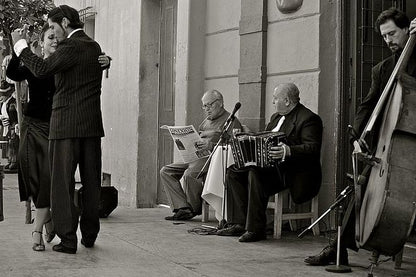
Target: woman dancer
x=33, y=171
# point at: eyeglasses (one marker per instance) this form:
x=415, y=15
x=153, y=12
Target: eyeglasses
x=209, y=105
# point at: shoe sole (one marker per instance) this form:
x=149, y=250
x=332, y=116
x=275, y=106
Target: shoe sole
x=66, y=251
x=38, y=247
x=231, y=235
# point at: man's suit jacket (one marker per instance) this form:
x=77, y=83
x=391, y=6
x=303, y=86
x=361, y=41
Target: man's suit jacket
x=76, y=107
x=302, y=170
x=380, y=75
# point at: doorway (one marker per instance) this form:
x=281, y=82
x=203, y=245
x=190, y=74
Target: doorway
x=362, y=48
x=166, y=110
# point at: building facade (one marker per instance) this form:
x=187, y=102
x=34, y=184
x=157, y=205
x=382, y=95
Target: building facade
x=166, y=53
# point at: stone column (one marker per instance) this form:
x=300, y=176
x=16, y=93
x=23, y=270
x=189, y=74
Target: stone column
x=189, y=75
x=252, y=74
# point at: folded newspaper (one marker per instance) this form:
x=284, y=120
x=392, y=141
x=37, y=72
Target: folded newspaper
x=185, y=138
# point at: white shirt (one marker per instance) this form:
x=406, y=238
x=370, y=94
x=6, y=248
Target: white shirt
x=279, y=124
x=19, y=46
x=4, y=114
x=4, y=107
x=74, y=31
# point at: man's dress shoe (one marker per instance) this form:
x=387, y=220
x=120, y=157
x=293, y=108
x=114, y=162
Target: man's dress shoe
x=181, y=214
x=234, y=230
x=87, y=244
x=63, y=249
x=328, y=256
x=252, y=236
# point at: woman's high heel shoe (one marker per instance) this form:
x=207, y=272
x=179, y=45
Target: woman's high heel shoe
x=38, y=244
x=49, y=232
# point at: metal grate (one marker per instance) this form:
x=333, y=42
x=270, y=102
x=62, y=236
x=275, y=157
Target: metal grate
x=86, y=13
x=371, y=48
x=363, y=49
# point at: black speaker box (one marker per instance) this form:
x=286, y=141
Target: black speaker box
x=108, y=200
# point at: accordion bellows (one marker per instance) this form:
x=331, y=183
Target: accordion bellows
x=252, y=149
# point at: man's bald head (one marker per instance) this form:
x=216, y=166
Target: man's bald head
x=212, y=103
x=285, y=97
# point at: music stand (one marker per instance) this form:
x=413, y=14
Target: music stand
x=338, y=203
x=224, y=137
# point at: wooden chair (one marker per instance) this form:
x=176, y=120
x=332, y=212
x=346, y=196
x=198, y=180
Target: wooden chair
x=279, y=216
x=398, y=258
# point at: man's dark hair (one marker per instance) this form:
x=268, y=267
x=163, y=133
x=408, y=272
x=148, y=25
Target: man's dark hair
x=57, y=14
x=397, y=16
x=42, y=33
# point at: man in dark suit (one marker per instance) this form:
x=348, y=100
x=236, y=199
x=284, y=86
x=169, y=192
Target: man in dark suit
x=249, y=189
x=76, y=125
x=393, y=25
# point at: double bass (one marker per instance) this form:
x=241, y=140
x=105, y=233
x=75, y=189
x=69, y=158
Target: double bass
x=387, y=211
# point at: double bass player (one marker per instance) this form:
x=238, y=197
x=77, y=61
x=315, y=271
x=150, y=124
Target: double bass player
x=395, y=28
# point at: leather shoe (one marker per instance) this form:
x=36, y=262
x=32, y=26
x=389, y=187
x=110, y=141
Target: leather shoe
x=252, y=236
x=328, y=256
x=234, y=230
x=181, y=214
x=87, y=244
x=63, y=249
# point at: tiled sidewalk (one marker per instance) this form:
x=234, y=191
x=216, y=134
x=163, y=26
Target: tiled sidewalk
x=139, y=242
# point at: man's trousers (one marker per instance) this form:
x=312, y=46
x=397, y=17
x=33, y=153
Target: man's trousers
x=248, y=192
x=65, y=155
x=190, y=195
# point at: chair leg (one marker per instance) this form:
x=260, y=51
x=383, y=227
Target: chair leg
x=314, y=211
x=205, y=211
x=292, y=209
x=278, y=210
x=293, y=215
x=398, y=258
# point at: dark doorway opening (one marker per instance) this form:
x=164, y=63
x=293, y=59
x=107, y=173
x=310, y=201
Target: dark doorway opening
x=362, y=48
x=166, y=112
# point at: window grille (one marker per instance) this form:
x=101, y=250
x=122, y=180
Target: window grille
x=87, y=13
x=370, y=47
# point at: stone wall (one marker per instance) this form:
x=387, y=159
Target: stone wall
x=117, y=30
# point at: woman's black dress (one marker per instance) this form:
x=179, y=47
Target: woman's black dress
x=33, y=171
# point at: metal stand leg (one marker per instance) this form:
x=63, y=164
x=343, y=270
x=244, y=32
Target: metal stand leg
x=338, y=268
x=374, y=262
x=223, y=222
x=343, y=195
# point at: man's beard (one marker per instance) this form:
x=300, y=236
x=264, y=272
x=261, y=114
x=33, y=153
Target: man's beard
x=396, y=48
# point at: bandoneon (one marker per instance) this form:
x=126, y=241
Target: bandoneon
x=253, y=149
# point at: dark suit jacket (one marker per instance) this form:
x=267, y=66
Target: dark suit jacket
x=380, y=75
x=302, y=170
x=76, y=107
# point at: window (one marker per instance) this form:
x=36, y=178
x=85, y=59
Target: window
x=87, y=16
